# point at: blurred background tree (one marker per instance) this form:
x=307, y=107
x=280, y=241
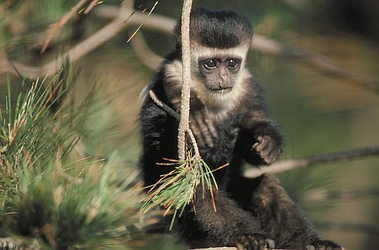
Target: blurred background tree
x=321, y=109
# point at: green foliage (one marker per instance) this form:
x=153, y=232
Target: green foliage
x=175, y=190
x=46, y=191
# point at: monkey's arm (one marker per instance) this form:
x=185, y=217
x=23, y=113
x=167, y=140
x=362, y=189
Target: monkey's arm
x=156, y=137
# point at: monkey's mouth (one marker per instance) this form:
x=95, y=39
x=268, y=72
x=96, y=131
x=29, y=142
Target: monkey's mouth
x=221, y=90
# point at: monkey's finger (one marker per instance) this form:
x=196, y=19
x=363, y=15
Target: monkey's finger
x=270, y=243
x=204, y=129
x=211, y=127
x=263, y=145
x=270, y=158
x=267, y=149
x=197, y=133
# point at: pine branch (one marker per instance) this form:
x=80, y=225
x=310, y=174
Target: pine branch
x=46, y=195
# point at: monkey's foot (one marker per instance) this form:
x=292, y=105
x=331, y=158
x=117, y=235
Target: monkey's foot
x=267, y=149
x=254, y=242
x=324, y=245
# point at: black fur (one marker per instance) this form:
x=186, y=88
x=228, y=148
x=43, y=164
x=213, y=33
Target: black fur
x=251, y=213
x=217, y=29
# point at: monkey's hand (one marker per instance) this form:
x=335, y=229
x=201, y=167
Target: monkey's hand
x=261, y=143
x=267, y=148
x=324, y=245
x=254, y=242
x=203, y=129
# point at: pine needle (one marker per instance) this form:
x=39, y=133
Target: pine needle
x=176, y=189
x=140, y=26
x=62, y=203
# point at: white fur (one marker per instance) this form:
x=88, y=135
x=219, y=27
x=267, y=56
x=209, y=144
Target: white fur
x=199, y=51
x=218, y=104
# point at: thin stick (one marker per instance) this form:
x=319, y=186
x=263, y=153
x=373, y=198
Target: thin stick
x=194, y=143
x=287, y=165
x=60, y=23
x=186, y=76
x=172, y=112
x=164, y=106
x=164, y=24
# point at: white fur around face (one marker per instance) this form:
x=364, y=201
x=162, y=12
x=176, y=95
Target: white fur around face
x=199, y=51
x=218, y=104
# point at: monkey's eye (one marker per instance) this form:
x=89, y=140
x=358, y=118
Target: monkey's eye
x=210, y=64
x=232, y=63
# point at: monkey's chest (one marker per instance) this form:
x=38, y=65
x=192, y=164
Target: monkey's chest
x=216, y=142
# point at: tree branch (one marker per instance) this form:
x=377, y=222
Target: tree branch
x=144, y=53
x=166, y=25
x=164, y=106
x=160, y=23
x=320, y=195
x=287, y=165
x=348, y=226
x=61, y=22
x=323, y=63
x=186, y=77
x=172, y=112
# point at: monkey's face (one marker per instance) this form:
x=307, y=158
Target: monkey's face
x=219, y=74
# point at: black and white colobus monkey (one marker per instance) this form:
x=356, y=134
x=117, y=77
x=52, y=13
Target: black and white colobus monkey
x=228, y=119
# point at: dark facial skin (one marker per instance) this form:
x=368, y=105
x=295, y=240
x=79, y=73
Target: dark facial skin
x=219, y=73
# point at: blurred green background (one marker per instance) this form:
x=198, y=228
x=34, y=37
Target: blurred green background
x=320, y=112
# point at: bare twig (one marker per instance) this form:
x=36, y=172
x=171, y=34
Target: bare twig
x=145, y=54
x=172, y=112
x=75, y=53
x=194, y=144
x=91, y=6
x=60, y=23
x=272, y=47
x=287, y=165
x=164, y=24
x=348, y=226
x=323, y=63
x=319, y=194
x=164, y=106
x=186, y=76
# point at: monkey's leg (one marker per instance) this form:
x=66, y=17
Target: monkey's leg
x=226, y=224
x=278, y=216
